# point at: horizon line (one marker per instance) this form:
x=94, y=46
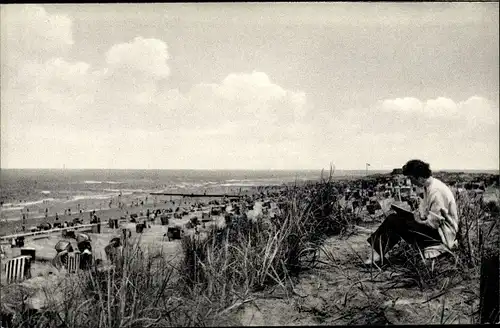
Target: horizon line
x=235, y=169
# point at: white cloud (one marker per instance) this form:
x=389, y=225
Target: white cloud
x=440, y=107
x=407, y=104
x=141, y=56
x=479, y=111
x=58, y=110
x=476, y=110
x=29, y=32
x=120, y=109
x=447, y=133
x=248, y=97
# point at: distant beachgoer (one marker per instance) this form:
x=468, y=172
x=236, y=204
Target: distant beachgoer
x=57, y=217
x=432, y=227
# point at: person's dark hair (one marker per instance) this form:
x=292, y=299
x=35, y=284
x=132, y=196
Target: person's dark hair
x=417, y=169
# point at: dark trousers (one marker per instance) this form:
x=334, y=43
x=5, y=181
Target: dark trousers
x=396, y=227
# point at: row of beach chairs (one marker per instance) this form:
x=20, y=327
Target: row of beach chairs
x=19, y=268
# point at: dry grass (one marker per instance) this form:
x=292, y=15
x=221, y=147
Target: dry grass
x=139, y=292
x=440, y=291
x=249, y=255
x=218, y=273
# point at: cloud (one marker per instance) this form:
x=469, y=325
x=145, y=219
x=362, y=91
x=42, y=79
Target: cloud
x=475, y=110
x=248, y=98
x=438, y=107
x=142, y=57
x=29, y=32
x=128, y=113
x=446, y=132
x=116, y=110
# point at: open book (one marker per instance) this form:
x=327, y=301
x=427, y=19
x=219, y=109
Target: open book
x=400, y=209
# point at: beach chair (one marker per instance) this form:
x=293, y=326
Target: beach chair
x=18, y=268
x=139, y=227
x=29, y=251
x=74, y=262
x=173, y=233
x=164, y=220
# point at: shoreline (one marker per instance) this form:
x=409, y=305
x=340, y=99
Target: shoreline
x=105, y=210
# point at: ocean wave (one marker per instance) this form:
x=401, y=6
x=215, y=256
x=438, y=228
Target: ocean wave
x=132, y=191
x=100, y=182
x=8, y=209
x=276, y=179
x=242, y=184
x=83, y=197
x=20, y=206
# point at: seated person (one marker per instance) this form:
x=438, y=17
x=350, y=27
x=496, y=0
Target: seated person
x=432, y=227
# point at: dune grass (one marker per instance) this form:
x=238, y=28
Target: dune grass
x=219, y=272
x=247, y=255
x=442, y=291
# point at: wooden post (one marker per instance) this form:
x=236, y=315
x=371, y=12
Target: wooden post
x=489, y=281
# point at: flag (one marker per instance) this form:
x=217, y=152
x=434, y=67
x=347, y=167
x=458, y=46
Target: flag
x=368, y=164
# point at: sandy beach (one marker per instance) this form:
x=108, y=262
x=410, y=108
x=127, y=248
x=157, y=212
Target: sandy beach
x=105, y=208
x=151, y=237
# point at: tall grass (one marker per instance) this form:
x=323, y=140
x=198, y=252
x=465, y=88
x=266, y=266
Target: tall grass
x=221, y=270
x=214, y=275
x=249, y=255
x=138, y=292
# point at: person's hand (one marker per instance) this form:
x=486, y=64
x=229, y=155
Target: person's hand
x=418, y=217
x=444, y=214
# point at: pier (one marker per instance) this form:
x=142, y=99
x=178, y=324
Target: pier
x=194, y=195
x=82, y=227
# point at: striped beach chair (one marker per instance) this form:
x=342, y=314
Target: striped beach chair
x=18, y=268
x=73, y=262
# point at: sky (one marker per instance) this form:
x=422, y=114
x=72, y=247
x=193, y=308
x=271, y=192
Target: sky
x=250, y=85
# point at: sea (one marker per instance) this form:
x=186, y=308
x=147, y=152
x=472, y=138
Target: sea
x=24, y=188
